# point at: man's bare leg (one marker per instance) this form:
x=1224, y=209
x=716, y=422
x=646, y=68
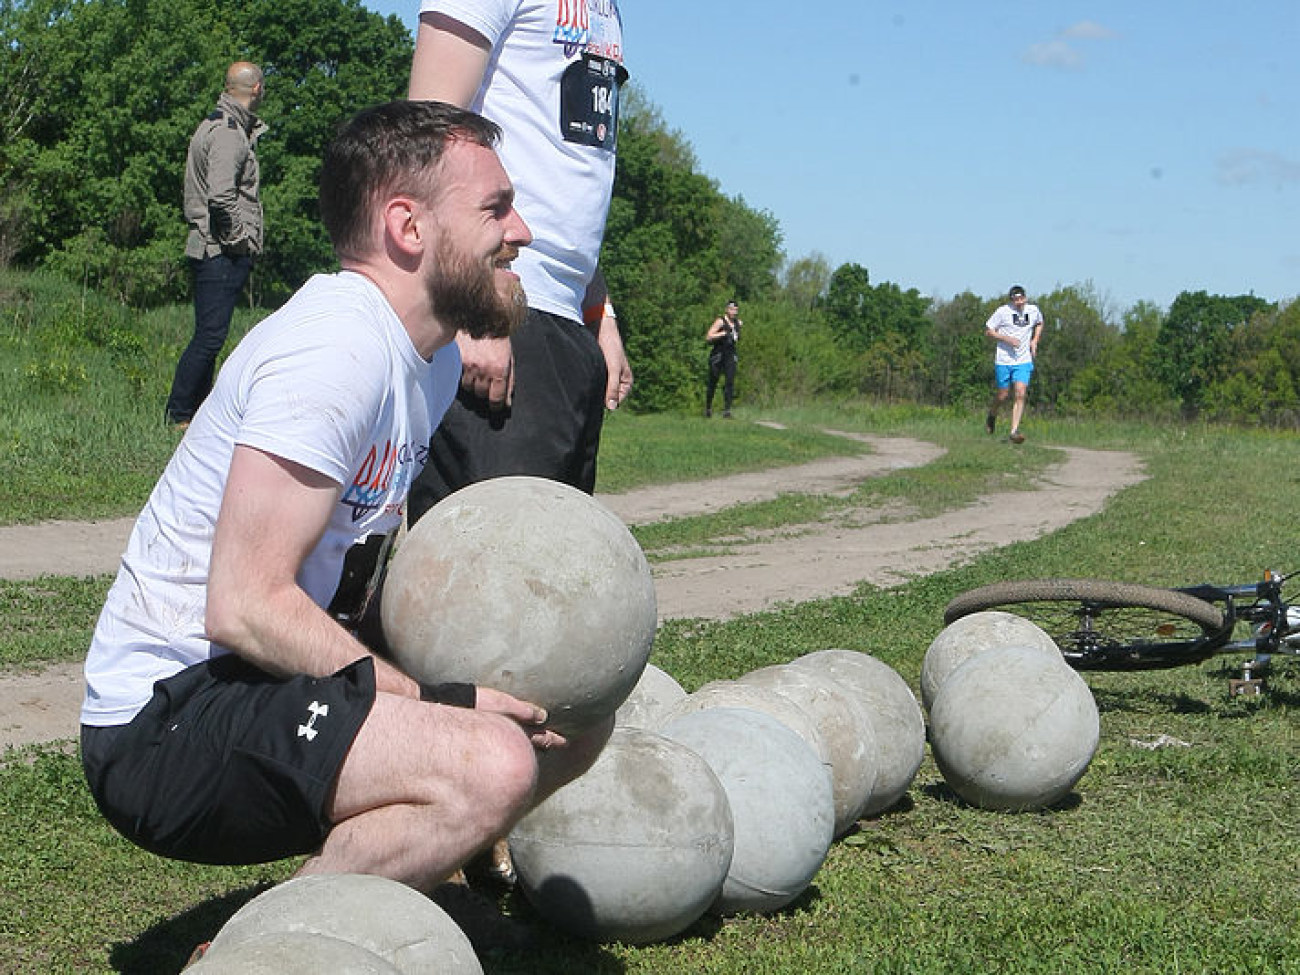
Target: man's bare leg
x=427, y=786
x=1018, y=408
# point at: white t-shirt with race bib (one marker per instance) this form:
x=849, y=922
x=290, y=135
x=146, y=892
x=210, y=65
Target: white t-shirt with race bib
x=1016, y=324
x=552, y=85
x=331, y=381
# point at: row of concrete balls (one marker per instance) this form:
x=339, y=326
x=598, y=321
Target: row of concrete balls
x=634, y=850
x=723, y=801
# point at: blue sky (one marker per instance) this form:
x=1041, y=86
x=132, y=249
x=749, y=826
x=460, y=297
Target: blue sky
x=1146, y=147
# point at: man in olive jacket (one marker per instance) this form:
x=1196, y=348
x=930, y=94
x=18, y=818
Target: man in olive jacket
x=224, y=212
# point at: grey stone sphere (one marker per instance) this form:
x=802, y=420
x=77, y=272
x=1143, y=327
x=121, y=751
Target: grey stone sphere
x=528, y=586
x=844, y=727
x=387, y=918
x=782, y=804
x=634, y=850
x=963, y=638
x=735, y=694
x=655, y=693
x=1013, y=729
x=290, y=953
x=892, y=708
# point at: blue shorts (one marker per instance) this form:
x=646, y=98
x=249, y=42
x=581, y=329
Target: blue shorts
x=1018, y=373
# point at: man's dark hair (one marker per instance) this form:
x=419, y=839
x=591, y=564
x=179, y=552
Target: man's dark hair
x=384, y=150
x=1016, y=291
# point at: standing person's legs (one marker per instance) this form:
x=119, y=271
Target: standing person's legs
x=218, y=282
x=715, y=370
x=729, y=384
x=551, y=429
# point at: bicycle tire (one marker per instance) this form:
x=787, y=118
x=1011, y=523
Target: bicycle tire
x=1101, y=625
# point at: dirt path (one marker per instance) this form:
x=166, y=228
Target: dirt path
x=821, y=560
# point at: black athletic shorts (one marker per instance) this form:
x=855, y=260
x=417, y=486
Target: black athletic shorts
x=551, y=430
x=227, y=764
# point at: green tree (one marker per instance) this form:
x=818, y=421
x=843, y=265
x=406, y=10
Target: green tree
x=749, y=244
x=848, y=305
x=676, y=248
x=1075, y=334
x=886, y=327
x=961, y=362
x=1263, y=385
x=1124, y=379
x=111, y=91
x=804, y=281
x=1195, y=339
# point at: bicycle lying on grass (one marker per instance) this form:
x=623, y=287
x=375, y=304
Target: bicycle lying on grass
x=1124, y=626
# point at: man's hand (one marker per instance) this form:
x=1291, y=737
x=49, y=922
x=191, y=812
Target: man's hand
x=488, y=370
x=619, y=371
x=528, y=716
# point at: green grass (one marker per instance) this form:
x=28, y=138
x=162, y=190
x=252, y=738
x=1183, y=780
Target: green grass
x=47, y=620
x=1175, y=859
x=82, y=387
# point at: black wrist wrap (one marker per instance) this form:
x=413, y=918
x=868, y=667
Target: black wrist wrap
x=456, y=694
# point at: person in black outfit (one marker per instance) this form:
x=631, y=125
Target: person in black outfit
x=722, y=337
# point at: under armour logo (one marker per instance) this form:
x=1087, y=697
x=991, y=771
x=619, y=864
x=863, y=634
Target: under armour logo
x=317, y=710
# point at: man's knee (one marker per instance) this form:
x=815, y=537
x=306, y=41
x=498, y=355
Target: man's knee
x=502, y=776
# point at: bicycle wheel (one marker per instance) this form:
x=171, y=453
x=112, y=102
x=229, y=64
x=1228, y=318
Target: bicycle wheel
x=1102, y=625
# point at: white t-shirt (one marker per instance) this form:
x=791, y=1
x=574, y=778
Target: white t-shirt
x=1019, y=325
x=552, y=85
x=330, y=381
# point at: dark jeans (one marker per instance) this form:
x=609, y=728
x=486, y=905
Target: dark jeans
x=724, y=366
x=217, y=284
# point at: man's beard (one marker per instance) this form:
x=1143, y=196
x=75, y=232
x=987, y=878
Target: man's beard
x=464, y=296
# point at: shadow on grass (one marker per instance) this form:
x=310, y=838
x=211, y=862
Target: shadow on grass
x=562, y=954
x=942, y=792
x=165, y=947
x=1148, y=700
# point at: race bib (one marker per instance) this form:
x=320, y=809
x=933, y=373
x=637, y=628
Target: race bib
x=589, y=102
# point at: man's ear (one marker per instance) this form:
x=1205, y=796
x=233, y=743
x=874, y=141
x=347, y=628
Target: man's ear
x=404, y=226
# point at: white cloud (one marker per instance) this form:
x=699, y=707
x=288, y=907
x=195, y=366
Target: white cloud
x=1089, y=30
x=1060, y=53
x=1053, y=54
x=1245, y=167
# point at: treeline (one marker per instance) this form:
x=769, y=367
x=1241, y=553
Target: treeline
x=1212, y=357
x=98, y=99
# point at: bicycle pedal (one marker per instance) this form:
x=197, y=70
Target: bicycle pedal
x=1246, y=687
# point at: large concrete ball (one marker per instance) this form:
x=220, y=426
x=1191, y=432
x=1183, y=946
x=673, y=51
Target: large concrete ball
x=528, y=586
x=782, y=804
x=655, y=693
x=844, y=727
x=290, y=953
x=734, y=694
x=387, y=918
x=635, y=850
x=895, y=715
x=963, y=638
x=1013, y=729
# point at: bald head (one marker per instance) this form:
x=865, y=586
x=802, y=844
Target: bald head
x=244, y=83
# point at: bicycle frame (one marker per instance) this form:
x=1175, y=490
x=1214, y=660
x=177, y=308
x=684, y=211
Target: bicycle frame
x=1259, y=604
